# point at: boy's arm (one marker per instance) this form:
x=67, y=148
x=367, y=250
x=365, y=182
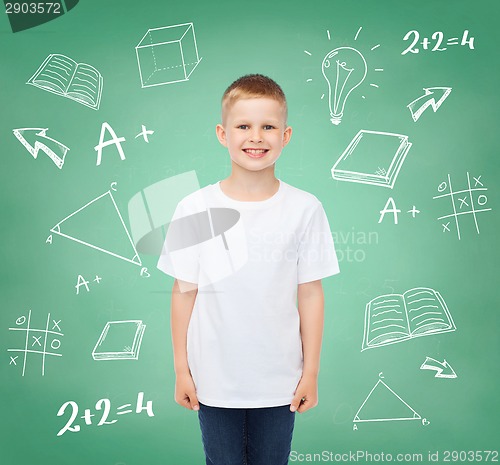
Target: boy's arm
x=311, y=312
x=181, y=309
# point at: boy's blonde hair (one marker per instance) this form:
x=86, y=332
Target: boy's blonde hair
x=253, y=86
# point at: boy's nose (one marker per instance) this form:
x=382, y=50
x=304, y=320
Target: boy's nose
x=256, y=136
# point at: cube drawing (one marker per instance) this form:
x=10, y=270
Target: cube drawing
x=167, y=54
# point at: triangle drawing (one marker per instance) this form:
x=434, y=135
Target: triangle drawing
x=99, y=225
x=383, y=404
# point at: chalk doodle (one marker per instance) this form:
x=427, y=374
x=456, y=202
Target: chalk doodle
x=166, y=55
x=344, y=69
x=103, y=405
x=383, y=404
x=394, y=318
x=36, y=139
x=394, y=210
x=145, y=133
x=81, y=281
x=99, y=210
x=413, y=211
x=372, y=157
x=116, y=141
x=433, y=97
x=465, y=203
x=443, y=369
x=63, y=76
x=390, y=207
x=438, y=36
x=37, y=342
x=119, y=340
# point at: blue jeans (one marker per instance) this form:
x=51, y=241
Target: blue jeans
x=253, y=436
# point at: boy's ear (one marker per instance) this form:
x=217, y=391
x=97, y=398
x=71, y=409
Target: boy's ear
x=221, y=134
x=287, y=135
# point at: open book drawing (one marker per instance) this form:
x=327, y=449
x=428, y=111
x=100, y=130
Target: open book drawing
x=372, y=158
x=393, y=318
x=63, y=76
x=120, y=340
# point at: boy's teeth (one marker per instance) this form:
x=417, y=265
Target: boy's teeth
x=255, y=151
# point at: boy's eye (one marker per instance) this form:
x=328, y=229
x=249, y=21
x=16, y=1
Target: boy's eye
x=268, y=127
x=243, y=126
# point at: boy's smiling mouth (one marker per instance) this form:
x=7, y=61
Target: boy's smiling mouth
x=256, y=153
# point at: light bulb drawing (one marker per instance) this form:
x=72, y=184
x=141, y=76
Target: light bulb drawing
x=344, y=70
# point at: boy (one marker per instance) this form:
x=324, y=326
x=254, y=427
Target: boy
x=246, y=356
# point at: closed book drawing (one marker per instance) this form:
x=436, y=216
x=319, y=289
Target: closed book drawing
x=372, y=158
x=119, y=340
x=393, y=318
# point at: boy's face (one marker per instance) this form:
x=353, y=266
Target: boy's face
x=254, y=131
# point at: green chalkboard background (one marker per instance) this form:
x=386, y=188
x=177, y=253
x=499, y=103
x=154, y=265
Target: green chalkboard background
x=38, y=278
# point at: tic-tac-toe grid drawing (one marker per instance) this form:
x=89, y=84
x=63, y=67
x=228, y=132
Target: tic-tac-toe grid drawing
x=464, y=203
x=36, y=343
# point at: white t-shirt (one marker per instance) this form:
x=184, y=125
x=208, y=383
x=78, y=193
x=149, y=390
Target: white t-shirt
x=243, y=342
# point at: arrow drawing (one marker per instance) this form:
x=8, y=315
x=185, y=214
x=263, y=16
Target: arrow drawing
x=36, y=139
x=443, y=369
x=434, y=96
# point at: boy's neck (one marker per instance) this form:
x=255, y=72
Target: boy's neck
x=253, y=188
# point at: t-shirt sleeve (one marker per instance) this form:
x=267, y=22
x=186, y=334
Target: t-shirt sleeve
x=180, y=253
x=316, y=253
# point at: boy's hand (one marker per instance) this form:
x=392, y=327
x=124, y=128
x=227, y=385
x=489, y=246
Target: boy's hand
x=306, y=394
x=185, y=391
